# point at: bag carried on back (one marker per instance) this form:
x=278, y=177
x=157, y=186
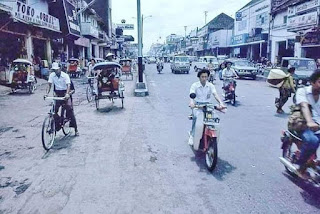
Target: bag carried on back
x=296, y=121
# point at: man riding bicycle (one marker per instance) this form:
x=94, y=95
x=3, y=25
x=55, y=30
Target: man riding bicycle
x=63, y=88
x=204, y=91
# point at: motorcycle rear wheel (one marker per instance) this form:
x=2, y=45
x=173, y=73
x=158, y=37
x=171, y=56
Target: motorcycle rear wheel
x=212, y=155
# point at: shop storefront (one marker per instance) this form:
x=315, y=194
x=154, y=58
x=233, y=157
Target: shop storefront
x=310, y=43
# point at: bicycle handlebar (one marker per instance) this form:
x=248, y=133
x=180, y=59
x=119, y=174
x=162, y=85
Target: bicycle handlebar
x=54, y=98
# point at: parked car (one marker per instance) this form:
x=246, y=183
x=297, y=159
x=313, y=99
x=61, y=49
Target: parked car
x=180, y=64
x=203, y=62
x=243, y=68
x=304, y=67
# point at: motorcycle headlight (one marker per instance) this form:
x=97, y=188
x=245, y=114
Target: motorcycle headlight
x=300, y=82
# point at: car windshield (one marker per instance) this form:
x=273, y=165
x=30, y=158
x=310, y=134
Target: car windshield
x=182, y=59
x=303, y=64
x=242, y=63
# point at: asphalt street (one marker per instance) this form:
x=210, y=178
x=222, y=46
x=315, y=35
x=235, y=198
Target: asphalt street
x=137, y=160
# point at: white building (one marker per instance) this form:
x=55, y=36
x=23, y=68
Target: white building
x=219, y=41
x=251, y=30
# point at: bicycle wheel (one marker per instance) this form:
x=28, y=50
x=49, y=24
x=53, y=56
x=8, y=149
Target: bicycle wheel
x=48, y=132
x=89, y=92
x=66, y=129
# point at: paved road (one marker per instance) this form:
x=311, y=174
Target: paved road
x=136, y=159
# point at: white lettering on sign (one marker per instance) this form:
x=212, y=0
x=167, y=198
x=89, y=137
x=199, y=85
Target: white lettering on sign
x=30, y=15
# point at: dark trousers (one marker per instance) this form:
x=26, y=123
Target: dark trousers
x=285, y=93
x=68, y=107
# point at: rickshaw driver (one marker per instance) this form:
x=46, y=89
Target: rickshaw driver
x=62, y=88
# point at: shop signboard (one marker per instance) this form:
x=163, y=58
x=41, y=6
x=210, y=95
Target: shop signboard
x=72, y=20
x=6, y=7
x=126, y=26
x=307, y=6
x=302, y=21
x=310, y=39
x=239, y=39
x=259, y=37
x=30, y=15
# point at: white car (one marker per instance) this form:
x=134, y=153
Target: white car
x=204, y=61
x=243, y=68
x=180, y=64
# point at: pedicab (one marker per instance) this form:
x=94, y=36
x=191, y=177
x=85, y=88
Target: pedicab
x=126, y=67
x=108, y=82
x=22, y=76
x=45, y=70
x=74, y=69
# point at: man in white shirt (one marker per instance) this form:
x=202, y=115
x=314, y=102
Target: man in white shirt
x=61, y=82
x=305, y=97
x=204, y=91
x=228, y=74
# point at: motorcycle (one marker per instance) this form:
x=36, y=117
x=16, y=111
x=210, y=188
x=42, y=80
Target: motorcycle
x=207, y=132
x=212, y=76
x=291, y=149
x=159, y=67
x=230, y=91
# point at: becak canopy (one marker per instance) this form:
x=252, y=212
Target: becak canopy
x=276, y=77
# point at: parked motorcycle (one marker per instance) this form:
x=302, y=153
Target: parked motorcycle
x=291, y=149
x=230, y=91
x=207, y=132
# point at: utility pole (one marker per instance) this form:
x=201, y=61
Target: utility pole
x=140, y=69
x=185, y=31
x=205, y=17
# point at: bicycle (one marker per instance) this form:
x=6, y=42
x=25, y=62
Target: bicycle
x=53, y=123
x=90, y=90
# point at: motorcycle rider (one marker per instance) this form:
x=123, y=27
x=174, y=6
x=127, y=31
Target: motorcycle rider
x=63, y=88
x=228, y=74
x=159, y=64
x=210, y=67
x=204, y=91
x=305, y=97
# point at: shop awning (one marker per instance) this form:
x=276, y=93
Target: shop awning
x=249, y=43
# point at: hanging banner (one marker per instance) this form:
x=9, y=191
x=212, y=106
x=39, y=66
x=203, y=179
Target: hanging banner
x=303, y=21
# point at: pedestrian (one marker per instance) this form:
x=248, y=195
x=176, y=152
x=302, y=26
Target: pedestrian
x=285, y=91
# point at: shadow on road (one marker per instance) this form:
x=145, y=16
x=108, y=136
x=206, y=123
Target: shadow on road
x=222, y=169
x=113, y=109
x=284, y=115
x=63, y=142
x=310, y=193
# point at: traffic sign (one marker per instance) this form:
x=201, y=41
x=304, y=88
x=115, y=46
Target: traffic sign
x=126, y=26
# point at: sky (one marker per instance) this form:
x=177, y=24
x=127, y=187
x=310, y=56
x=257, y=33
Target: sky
x=170, y=16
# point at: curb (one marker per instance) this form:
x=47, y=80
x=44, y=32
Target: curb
x=141, y=89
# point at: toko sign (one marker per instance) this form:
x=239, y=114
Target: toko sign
x=30, y=15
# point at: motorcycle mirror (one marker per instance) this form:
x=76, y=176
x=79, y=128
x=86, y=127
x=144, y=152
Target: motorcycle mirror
x=193, y=95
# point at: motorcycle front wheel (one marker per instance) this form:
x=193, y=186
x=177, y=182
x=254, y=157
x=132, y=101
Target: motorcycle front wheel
x=212, y=154
x=233, y=99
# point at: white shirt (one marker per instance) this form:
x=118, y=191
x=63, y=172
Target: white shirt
x=228, y=72
x=61, y=82
x=204, y=93
x=305, y=95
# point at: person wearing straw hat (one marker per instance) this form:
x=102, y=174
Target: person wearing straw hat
x=109, y=57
